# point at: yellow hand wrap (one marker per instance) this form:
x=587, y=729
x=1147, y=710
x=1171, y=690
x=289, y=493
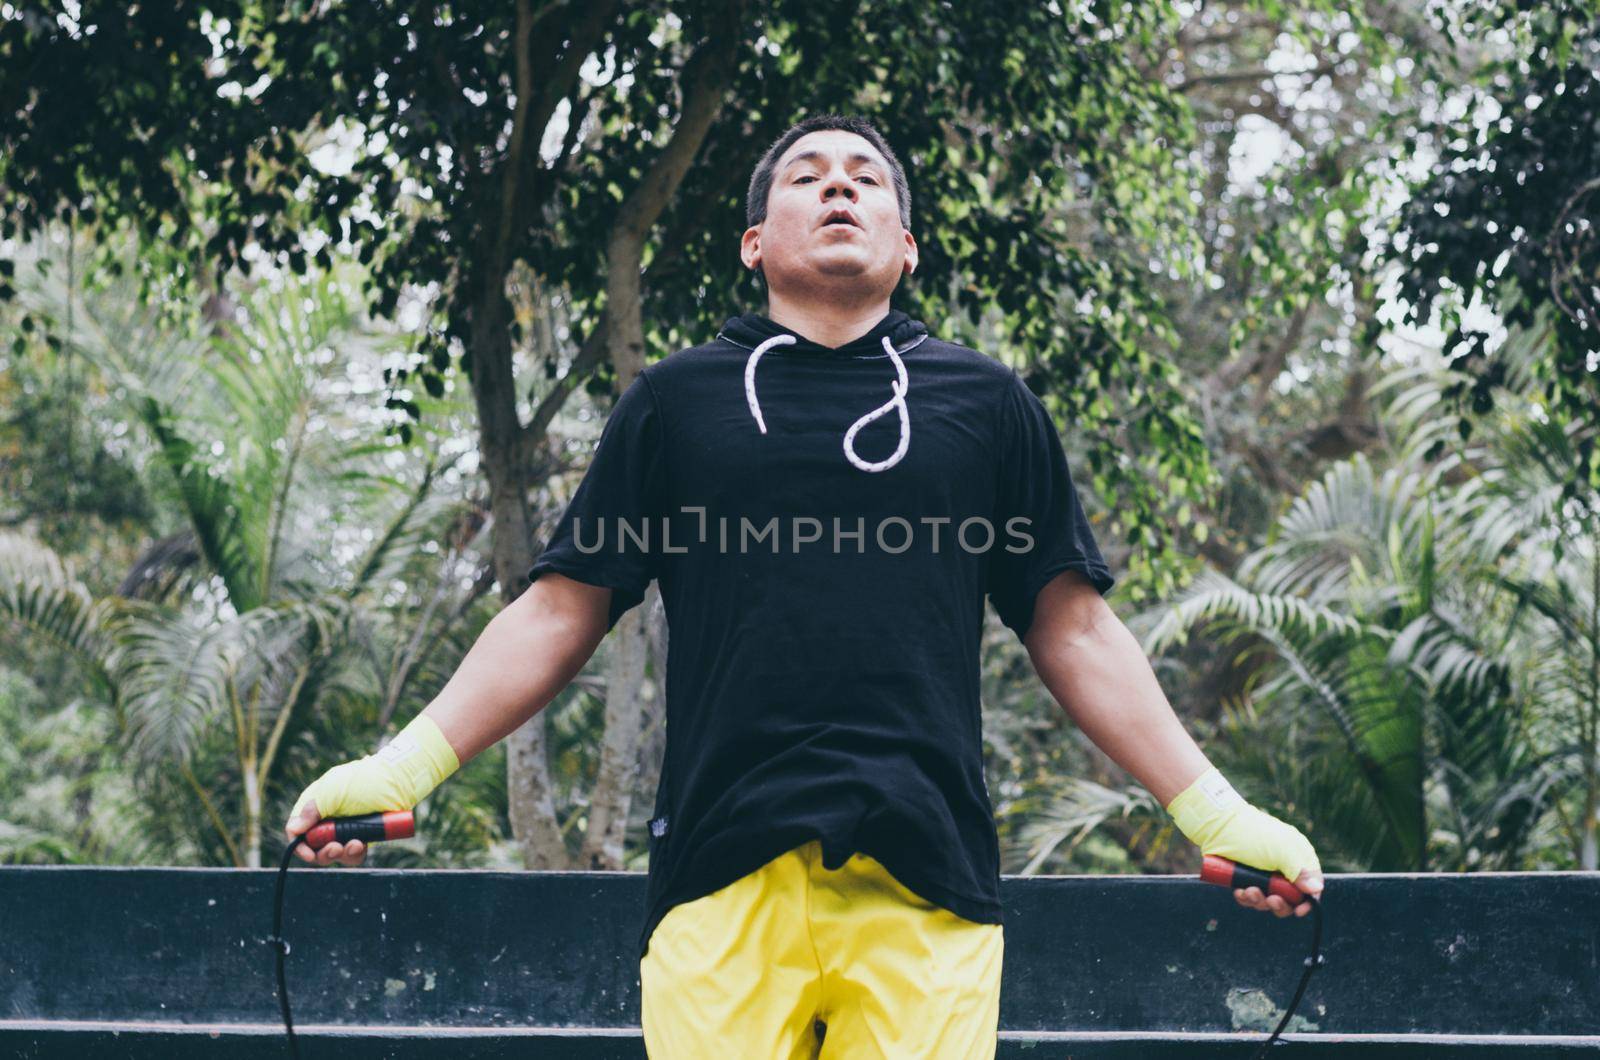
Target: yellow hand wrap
x=1218, y=821
x=397, y=777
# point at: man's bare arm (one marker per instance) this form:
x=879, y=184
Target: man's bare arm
x=1096, y=670
x=525, y=656
x=522, y=659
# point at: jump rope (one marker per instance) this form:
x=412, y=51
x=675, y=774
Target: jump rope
x=369, y=828
x=1231, y=874
x=376, y=827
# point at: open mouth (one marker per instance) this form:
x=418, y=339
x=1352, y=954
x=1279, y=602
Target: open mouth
x=840, y=218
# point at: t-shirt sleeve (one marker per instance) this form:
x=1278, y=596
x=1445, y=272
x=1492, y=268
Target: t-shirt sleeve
x=604, y=536
x=1040, y=525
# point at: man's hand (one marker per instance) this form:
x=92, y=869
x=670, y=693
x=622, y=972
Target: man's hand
x=301, y=822
x=1096, y=669
x=367, y=785
x=1220, y=822
x=1252, y=898
x=395, y=778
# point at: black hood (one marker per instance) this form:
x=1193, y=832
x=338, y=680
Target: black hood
x=749, y=330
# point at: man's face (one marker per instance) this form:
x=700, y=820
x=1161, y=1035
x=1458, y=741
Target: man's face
x=832, y=220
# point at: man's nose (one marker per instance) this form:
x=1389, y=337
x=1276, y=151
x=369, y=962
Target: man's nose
x=838, y=184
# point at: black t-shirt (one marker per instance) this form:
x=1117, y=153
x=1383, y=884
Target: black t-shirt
x=825, y=524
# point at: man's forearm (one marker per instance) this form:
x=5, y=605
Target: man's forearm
x=1095, y=669
x=522, y=659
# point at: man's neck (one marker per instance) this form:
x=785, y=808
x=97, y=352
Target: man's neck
x=830, y=324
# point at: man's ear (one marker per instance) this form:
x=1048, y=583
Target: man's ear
x=750, y=247
x=911, y=255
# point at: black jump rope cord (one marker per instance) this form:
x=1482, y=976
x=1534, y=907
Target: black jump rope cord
x=1313, y=962
x=281, y=946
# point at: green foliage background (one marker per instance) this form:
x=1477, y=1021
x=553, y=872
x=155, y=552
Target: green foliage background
x=1335, y=413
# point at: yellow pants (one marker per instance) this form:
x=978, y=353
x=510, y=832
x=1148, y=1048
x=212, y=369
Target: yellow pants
x=749, y=971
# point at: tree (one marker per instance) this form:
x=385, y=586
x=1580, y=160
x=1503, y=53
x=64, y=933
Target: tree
x=228, y=638
x=1508, y=213
x=1429, y=670
x=604, y=147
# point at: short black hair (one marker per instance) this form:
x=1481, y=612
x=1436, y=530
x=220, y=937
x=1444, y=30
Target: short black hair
x=755, y=204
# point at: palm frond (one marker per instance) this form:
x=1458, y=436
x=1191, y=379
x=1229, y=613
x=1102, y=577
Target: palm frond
x=211, y=504
x=39, y=594
x=418, y=522
x=1213, y=597
x=1377, y=711
x=161, y=569
x=174, y=678
x=1072, y=815
x=268, y=370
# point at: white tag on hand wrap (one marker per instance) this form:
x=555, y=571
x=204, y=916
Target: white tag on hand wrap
x=397, y=749
x=1215, y=787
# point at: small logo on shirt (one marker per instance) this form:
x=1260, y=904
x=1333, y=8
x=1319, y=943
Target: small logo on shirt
x=658, y=827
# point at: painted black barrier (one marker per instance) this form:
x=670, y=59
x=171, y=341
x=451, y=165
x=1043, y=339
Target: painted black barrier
x=107, y=962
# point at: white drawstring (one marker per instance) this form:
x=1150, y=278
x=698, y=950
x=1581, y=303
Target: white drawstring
x=898, y=403
x=750, y=375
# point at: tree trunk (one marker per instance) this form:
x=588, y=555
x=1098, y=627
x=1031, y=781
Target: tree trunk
x=619, y=749
x=705, y=79
x=252, y=819
x=528, y=790
x=1589, y=854
x=653, y=747
x=612, y=795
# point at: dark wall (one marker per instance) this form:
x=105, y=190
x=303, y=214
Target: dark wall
x=1491, y=954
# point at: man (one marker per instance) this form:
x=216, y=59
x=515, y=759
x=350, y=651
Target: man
x=826, y=494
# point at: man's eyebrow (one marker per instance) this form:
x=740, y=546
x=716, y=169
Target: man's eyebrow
x=814, y=155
